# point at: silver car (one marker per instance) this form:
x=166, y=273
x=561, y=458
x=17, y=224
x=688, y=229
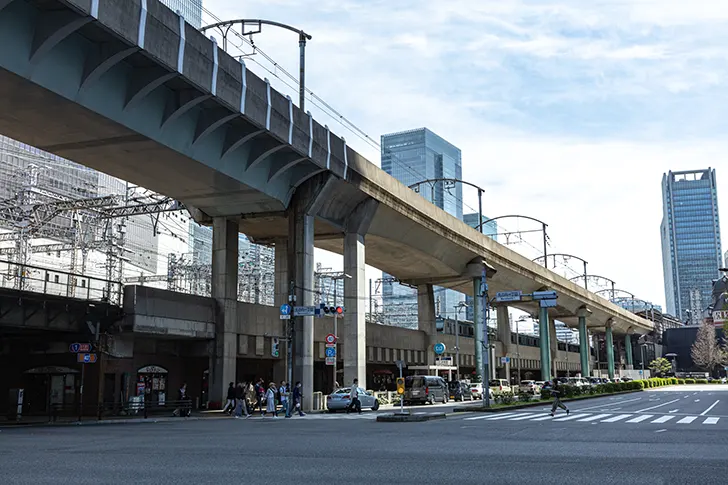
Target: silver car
x=340, y=399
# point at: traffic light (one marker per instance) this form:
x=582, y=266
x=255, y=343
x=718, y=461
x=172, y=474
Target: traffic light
x=400, y=385
x=339, y=310
x=275, y=347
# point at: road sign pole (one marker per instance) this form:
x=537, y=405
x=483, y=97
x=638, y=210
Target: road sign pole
x=336, y=334
x=80, y=393
x=486, y=345
x=401, y=396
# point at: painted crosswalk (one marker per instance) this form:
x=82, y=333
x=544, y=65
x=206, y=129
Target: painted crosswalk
x=609, y=418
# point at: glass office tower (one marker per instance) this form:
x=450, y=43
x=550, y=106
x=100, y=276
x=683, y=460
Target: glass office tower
x=411, y=157
x=691, y=247
x=191, y=10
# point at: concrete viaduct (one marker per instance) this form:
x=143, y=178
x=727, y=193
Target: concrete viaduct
x=129, y=88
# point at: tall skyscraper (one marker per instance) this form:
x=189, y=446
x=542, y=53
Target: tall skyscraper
x=191, y=10
x=691, y=247
x=420, y=156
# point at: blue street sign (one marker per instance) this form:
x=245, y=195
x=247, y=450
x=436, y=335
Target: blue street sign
x=439, y=348
x=285, y=309
x=74, y=348
x=330, y=351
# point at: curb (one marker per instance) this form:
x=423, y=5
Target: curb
x=409, y=418
x=479, y=409
x=99, y=422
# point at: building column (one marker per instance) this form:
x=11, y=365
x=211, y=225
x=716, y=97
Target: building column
x=543, y=331
x=583, y=342
x=426, y=318
x=225, y=293
x=478, y=328
x=610, y=350
x=628, y=351
x=355, y=330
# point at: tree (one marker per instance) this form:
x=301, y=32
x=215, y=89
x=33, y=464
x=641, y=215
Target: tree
x=660, y=366
x=706, y=352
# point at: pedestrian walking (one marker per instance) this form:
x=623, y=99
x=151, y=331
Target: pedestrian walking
x=283, y=391
x=556, y=392
x=270, y=400
x=230, y=400
x=355, y=402
x=183, y=409
x=251, y=397
x=239, y=401
x=260, y=395
x=298, y=399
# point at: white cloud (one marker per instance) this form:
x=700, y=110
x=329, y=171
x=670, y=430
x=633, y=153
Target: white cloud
x=569, y=111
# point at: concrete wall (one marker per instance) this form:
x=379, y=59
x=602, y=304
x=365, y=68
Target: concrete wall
x=166, y=313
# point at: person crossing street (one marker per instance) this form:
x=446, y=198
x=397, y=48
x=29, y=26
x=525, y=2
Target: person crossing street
x=556, y=393
x=354, y=393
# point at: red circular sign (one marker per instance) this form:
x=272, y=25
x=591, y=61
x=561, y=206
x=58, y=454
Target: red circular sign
x=331, y=338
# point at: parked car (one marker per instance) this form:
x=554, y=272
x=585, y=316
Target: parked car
x=459, y=391
x=595, y=381
x=499, y=386
x=529, y=387
x=476, y=389
x=425, y=389
x=340, y=399
x=540, y=385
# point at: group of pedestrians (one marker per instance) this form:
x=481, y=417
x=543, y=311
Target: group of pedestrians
x=247, y=397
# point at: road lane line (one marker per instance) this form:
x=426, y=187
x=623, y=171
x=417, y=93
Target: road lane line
x=663, y=419
x=687, y=420
x=619, y=417
x=525, y=416
x=593, y=418
x=711, y=407
x=658, y=406
x=711, y=420
x=572, y=416
x=639, y=419
x=610, y=404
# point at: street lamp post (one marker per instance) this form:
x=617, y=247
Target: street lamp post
x=225, y=26
x=458, y=307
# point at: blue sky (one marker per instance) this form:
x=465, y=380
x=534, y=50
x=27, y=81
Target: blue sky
x=568, y=111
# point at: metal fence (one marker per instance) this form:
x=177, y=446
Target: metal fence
x=58, y=282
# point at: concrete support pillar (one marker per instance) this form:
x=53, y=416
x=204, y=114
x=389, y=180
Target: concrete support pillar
x=355, y=330
x=426, y=318
x=610, y=351
x=543, y=329
x=628, y=351
x=478, y=327
x=504, y=329
x=584, y=342
x=281, y=279
x=300, y=267
x=225, y=292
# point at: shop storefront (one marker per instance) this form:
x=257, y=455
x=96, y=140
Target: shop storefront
x=151, y=383
x=47, y=387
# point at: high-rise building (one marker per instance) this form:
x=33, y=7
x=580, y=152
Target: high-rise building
x=191, y=10
x=691, y=247
x=422, y=157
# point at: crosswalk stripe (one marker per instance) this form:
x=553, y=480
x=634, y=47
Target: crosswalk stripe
x=616, y=418
x=572, y=416
x=641, y=418
x=687, y=420
x=543, y=418
x=711, y=420
x=507, y=416
x=522, y=417
x=476, y=418
x=663, y=419
x=593, y=418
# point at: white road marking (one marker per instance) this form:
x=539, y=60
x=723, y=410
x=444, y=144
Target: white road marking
x=711, y=407
x=572, y=416
x=543, y=418
x=505, y=416
x=522, y=417
x=475, y=418
x=687, y=420
x=663, y=419
x=697, y=400
x=616, y=418
x=610, y=404
x=593, y=418
x=711, y=420
x=659, y=405
x=660, y=431
x=673, y=411
x=639, y=419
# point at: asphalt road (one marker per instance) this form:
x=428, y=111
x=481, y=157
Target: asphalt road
x=357, y=449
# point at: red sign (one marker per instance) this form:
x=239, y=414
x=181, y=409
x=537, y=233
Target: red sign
x=331, y=338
